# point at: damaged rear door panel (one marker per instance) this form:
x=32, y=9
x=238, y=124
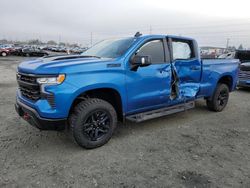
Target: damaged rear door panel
x=186, y=69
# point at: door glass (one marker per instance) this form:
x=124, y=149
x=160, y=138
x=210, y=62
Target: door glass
x=181, y=50
x=154, y=49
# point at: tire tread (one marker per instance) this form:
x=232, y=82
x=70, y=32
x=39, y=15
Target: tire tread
x=78, y=112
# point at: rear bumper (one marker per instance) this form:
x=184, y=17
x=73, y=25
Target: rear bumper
x=31, y=116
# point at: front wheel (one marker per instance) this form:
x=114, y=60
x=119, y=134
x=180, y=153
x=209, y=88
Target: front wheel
x=219, y=99
x=93, y=122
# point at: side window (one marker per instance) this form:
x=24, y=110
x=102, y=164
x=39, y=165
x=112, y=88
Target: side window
x=182, y=50
x=154, y=49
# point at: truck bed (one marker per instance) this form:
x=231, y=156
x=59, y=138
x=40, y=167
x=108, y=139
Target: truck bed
x=213, y=70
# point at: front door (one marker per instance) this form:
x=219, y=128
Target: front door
x=149, y=87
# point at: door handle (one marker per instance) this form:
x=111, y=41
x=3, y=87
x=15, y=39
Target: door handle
x=195, y=68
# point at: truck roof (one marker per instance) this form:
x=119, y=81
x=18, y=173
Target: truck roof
x=171, y=36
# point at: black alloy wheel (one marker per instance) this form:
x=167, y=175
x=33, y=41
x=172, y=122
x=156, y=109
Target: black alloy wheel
x=223, y=98
x=93, y=122
x=97, y=124
x=219, y=99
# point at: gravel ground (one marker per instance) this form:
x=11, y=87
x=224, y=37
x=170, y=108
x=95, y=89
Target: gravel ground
x=197, y=148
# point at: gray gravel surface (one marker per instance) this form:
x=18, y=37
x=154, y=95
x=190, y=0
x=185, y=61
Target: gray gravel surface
x=197, y=148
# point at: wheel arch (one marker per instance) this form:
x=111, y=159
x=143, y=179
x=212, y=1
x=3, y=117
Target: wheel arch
x=108, y=94
x=228, y=80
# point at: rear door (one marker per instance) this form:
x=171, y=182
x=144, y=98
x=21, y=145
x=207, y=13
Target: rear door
x=187, y=64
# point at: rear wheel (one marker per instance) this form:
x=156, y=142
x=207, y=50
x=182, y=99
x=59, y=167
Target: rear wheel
x=219, y=99
x=93, y=123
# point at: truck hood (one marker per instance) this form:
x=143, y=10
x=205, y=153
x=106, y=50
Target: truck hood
x=55, y=64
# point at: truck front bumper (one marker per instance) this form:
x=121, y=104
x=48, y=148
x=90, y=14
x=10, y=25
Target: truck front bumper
x=31, y=116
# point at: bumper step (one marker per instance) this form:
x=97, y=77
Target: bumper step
x=160, y=112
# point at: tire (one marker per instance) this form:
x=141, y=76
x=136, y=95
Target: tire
x=93, y=122
x=4, y=54
x=219, y=99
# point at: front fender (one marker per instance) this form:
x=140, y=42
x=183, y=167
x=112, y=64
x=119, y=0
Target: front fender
x=119, y=90
x=99, y=80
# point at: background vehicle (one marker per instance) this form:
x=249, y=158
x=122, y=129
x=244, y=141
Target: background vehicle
x=4, y=52
x=33, y=52
x=17, y=51
x=242, y=55
x=136, y=78
x=244, y=73
x=6, y=49
x=77, y=50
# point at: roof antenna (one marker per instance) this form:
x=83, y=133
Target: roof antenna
x=138, y=34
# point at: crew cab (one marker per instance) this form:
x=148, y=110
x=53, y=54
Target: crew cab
x=134, y=78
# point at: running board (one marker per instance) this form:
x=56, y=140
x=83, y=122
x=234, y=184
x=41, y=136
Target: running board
x=160, y=112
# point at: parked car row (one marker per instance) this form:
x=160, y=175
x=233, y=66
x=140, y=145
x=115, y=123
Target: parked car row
x=21, y=51
x=36, y=50
x=30, y=52
x=72, y=50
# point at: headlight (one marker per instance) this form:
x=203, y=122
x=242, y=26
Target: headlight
x=51, y=80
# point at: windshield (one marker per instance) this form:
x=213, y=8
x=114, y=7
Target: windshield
x=110, y=48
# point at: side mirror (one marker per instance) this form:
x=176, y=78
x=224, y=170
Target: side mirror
x=140, y=61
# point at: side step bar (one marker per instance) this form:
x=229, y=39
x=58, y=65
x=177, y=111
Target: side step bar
x=160, y=112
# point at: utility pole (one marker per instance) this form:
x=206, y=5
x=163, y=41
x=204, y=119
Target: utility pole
x=228, y=39
x=91, y=39
x=59, y=39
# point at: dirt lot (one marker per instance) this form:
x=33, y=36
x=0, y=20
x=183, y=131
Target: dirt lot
x=197, y=148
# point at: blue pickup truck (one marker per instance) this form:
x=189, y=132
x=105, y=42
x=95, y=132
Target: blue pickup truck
x=135, y=78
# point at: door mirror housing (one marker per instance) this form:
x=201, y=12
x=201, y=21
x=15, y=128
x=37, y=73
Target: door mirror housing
x=140, y=61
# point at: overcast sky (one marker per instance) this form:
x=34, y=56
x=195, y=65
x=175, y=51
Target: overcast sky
x=211, y=22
